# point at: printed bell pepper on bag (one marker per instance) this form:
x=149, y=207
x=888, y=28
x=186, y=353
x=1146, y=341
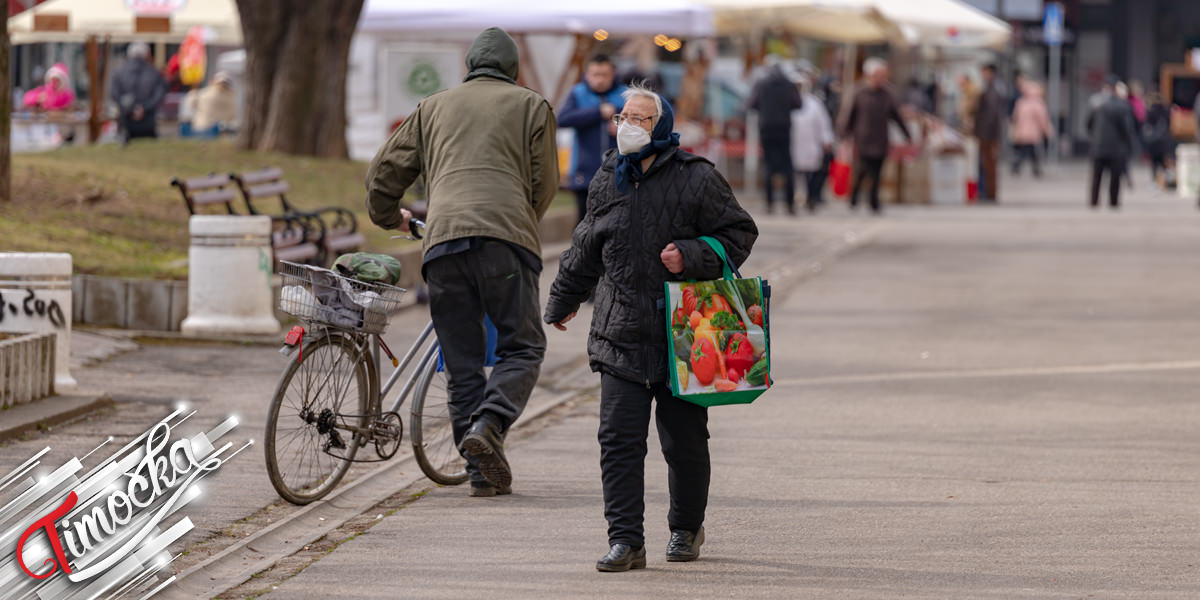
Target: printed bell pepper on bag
x=739, y=354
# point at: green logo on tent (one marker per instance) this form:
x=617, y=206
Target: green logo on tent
x=424, y=80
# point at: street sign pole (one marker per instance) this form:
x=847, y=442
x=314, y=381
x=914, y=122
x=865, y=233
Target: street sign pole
x=1052, y=34
x=1055, y=77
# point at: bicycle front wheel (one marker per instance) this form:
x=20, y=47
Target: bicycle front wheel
x=321, y=397
x=430, y=429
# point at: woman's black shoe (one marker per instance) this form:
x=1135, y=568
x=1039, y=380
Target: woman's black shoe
x=622, y=557
x=684, y=545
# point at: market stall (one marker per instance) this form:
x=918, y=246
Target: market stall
x=404, y=51
x=97, y=25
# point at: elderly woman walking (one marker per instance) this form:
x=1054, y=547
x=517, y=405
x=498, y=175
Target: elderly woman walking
x=647, y=205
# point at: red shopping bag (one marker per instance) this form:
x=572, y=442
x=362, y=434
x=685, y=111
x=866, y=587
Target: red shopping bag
x=839, y=177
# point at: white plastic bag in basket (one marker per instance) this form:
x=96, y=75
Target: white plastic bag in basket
x=295, y=300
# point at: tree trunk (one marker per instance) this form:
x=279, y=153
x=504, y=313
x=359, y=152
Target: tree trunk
x=5, y=121
x=297, y=56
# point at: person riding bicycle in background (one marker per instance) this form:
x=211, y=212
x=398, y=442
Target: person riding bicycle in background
x=487, y=150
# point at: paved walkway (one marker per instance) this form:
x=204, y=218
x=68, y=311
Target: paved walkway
x=978, y=402
x=983, y=402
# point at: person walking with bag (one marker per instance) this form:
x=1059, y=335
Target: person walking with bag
x=487, y=150
x=867, y=125
x=648, y=205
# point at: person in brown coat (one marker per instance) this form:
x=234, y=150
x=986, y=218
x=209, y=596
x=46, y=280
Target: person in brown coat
x=867, y=124
x=990, y=114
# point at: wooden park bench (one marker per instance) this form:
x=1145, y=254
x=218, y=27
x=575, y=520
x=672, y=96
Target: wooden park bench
x=290, y=235
x=340, y=226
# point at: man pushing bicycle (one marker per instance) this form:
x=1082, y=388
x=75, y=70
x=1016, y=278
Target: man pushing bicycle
x=487, y=151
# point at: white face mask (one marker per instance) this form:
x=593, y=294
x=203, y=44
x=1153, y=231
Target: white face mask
x=631, y=138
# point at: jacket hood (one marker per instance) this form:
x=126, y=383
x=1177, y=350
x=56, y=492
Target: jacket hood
x=59, y=72
x=493, y=54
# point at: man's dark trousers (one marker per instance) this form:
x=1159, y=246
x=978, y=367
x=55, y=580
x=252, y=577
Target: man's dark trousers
x=1115, y=167
x=777, y=157
x=867, y=167
x=683, y=433
x=463, y=287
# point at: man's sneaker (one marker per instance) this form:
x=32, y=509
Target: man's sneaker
x=622, y=557
x=483, y=489
x=684, y=545
x=484, y=443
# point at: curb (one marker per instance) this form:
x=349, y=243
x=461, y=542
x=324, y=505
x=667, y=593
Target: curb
x=48, y=412
x=263, y=549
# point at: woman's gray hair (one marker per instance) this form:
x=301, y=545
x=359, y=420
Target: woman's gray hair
x=138, y=50
x=873, y=64
x=639, y=89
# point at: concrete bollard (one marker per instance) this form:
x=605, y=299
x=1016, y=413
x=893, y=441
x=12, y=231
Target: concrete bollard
x=35, y=297
x=229, y=276
x=1187, y=170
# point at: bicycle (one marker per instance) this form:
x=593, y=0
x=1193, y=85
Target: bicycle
x=312, y=435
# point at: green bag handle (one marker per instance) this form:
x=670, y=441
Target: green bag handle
x=729, y=271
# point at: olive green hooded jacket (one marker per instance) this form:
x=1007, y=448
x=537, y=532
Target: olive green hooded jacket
x=486, y=148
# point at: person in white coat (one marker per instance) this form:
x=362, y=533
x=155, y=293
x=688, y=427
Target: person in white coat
x=812, y=142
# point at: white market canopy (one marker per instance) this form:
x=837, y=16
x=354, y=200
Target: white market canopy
x=75, y=20
x=618, y=17
x=910, y=22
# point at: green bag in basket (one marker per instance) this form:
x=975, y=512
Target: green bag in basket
x=723, y=355
x=368, y=267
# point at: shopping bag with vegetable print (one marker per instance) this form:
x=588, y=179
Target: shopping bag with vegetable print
x=720, y=350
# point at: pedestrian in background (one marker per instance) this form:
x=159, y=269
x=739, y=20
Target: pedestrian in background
x=866, y=125
x=213, y=107
x=55, y=93
x=589, y=110
x=649, y=204
x=138, y=89
x=1111, y=128
x=812, y=142
x=774, y=97
x=1030, y=127
x=989, y=120
x=1122, y=92
x=1156, y=133
x=968, y=103
x=1137, y=95
x=486, y=148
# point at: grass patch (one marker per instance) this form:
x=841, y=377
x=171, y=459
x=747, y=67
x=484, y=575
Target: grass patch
x=115, y=211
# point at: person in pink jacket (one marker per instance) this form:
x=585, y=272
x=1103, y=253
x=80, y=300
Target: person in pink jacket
x=1030, y=127
x=55, y=93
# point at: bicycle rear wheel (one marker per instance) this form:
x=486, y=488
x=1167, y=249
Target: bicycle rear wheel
x=322, y=392
x=430, y=429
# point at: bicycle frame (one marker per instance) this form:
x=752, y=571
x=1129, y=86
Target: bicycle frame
x=411, y=383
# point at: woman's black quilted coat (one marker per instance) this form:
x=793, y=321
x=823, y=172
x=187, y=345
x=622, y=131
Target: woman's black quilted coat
x=615, y=251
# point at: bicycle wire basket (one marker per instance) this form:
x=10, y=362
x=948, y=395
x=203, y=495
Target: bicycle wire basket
x=323, y=297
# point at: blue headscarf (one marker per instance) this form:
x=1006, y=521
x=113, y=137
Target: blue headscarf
x=629, y=166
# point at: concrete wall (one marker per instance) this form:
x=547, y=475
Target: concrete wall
x=26, y=367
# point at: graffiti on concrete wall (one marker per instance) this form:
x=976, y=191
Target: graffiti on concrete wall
x=18, y=304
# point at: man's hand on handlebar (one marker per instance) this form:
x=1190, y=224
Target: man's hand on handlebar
x=405, y=219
